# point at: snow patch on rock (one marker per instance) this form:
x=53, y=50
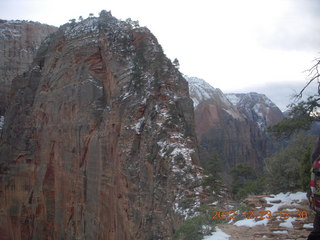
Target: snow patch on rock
x=256, y=107
x=201, y=91
x=138, y=126
x=1, y=122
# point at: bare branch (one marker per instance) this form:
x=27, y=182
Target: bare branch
x=299, y=95
x=315, y=75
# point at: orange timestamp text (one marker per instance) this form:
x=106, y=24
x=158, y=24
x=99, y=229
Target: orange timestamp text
x=259, y=215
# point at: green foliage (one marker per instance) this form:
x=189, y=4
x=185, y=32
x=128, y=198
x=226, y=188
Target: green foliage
x=289, y=126
x=139, y=64
x=140, y=59
x=72, y=22
x=244, y=207
x=301, y=116
x=176, y=63
x=186, y=202
x=240, y=209
x=193, y=228
x=304, y=170
x=159, y=71
x=157, y=79
x=246, y=181
x=289, y=169
x=243, y=171
x=252, y=186
x=212, y=168
x=150, y=159
x=174, y=118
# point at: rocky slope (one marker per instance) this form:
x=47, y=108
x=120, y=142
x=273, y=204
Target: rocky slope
x=281, y=216
x=19, y=41
x=257, y=107
x=227, y=128
x=98, y=142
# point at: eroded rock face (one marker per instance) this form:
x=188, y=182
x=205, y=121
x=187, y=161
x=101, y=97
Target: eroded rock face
x=228, y=129
x=19, y=41
x=99, y=140
x=257, y=108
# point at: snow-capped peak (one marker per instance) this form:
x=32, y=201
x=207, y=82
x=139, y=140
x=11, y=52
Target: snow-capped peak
x=199, y=89
x=256, y=107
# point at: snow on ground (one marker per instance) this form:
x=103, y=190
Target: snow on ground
x=286, y=199
x=287, y=223
x=309, y=225
x=281, y=232
x=276, y=202
x=217, y=235
x=251, y=222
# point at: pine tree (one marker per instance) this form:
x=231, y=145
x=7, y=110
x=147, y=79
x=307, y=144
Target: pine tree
x=301, y=113
x=176, y=63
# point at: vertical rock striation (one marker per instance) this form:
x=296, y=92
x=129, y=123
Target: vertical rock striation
x=99, y=140
x=232, y=124
x=19, y=41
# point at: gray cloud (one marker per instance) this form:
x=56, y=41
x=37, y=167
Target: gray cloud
x=297, y=29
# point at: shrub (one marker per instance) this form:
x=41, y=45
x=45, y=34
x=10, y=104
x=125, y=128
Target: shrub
x=194, y=228
x=246, y=181
x=289, y=169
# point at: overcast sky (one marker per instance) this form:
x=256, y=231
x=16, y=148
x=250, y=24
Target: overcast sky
x=235, y=45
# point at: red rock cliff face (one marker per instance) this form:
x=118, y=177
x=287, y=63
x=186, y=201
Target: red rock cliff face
x=19, y=41
x=99, y=140
x=225, y=127
x=236, y=139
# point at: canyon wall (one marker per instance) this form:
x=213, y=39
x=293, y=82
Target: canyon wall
x=19, y=41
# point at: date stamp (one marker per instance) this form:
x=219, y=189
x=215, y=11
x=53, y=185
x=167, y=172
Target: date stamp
x=259, y=215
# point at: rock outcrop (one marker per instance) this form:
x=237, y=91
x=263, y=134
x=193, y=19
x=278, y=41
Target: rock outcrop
x=19, y=41
x=227, y=129
x=98, y=142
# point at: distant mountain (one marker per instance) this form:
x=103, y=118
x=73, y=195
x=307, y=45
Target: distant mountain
x=232, y=124
x=257, y=107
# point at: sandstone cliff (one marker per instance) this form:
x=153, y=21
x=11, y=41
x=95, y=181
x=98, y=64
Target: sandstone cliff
x=226, y=128
x=98, y=142
x=19, y=41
